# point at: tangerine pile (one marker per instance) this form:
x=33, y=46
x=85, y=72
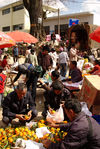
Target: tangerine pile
x=9, y=135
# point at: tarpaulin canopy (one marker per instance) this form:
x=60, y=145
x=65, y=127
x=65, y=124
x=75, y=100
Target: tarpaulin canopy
x=6, y=41
x=95, y=35
x=22, y=37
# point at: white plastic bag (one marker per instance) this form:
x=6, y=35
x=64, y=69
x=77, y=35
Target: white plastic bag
x=80, y=64
x=40, y=132
x=56, y=117
x=30, y=124
x=27, y=144
x=85, y=109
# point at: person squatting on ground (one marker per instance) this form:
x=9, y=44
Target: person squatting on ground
x=17, y=104
x=83, y=131
x=55, y=96
x=32, y=73
x=55, y=75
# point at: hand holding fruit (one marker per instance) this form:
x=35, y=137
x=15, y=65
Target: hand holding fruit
x=29, y=115
x=20, y=117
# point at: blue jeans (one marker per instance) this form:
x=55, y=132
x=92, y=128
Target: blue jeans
x=32, y=85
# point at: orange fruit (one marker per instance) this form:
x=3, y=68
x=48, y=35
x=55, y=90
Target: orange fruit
x=26, y=117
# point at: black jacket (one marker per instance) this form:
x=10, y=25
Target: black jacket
x=12, y=105
x=54, y=100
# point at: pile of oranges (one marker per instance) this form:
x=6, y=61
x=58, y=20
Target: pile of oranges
x=9, y=135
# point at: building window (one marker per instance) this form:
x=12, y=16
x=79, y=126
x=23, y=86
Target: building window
x=86, y=23
x=18, y=27
x=6, y=28
x=5, y=11
x=63, y=31
x=18, y=7
x=47, y=30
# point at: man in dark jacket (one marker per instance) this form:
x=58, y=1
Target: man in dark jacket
x=83, y=131
x=55, y=96
x=17, y=104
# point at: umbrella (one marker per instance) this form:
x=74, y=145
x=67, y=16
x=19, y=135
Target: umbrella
x=95, y=35
x=6, y=41
x=22, y=37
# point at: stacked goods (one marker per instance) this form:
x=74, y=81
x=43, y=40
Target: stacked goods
x=90, y=92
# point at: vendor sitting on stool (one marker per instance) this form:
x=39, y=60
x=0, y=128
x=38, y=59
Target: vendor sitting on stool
x=75, y=73
x=18, y=104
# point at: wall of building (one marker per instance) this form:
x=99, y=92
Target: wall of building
x=65, y=20
x=12, y=18
x=26, y=21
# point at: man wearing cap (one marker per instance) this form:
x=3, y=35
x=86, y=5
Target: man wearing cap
x=2, y=84
x=17, y=104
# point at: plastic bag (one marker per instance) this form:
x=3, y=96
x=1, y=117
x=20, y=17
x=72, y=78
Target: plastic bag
x=31, y=124
x=27, y=144
x=56, y=117
x=80, y=64
x=40, y=132
x=85, y=109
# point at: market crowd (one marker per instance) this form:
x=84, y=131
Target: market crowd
x=50, y=68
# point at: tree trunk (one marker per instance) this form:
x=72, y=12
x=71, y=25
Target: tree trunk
x=34, y=8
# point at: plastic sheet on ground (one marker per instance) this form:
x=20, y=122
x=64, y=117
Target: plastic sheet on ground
x=73, y=84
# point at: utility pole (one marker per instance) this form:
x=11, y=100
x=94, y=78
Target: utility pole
x=58, y=21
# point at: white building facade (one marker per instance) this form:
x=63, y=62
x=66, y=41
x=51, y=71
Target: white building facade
x=15, y=17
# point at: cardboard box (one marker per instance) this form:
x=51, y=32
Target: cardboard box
x=96, y=110
x=90, y=91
